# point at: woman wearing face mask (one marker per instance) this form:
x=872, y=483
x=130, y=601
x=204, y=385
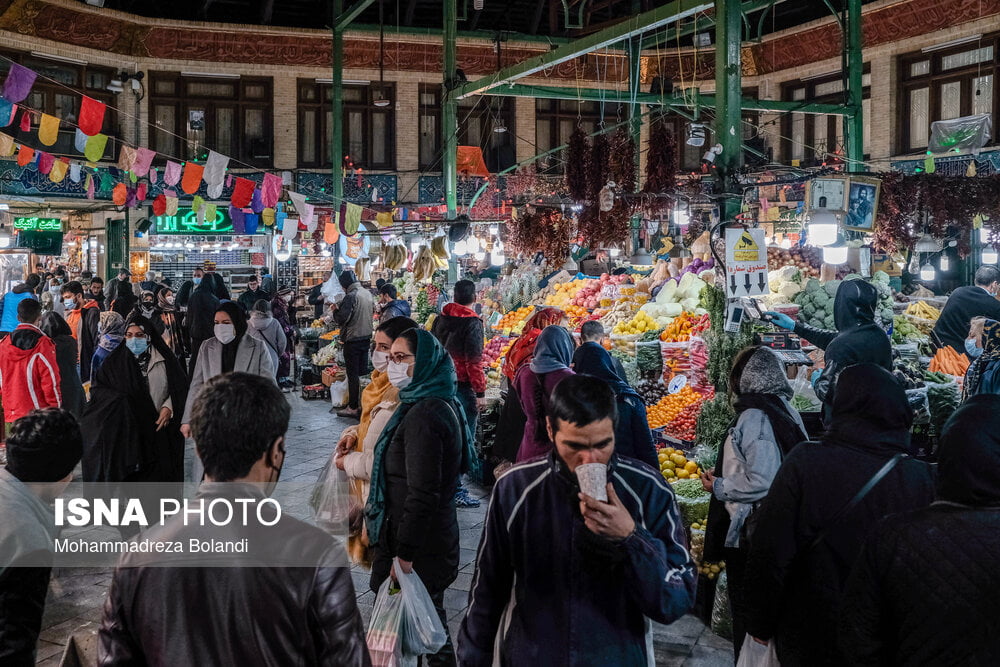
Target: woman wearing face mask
x=147, y=305
x=231, y=350
x=974, y=343
x=356, y=447
x=129, y=426
x=266, y=329
x=416, y=464
x=110, y=331
x=167, y=322
x=285, y=316
x=534, y=384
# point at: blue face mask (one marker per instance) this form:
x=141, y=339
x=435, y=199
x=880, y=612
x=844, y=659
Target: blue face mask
x=137, y=345
x=69, y=304
x=197, y=281
x=972, y=349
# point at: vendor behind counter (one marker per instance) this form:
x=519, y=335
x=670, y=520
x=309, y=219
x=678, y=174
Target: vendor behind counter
x=965, y=303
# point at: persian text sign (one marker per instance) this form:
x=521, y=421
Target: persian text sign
x=746, y=262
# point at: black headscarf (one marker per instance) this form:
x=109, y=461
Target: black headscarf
x=854, y=305
x=874, y=415
x=240, y=324
x=595, y=361
x=969, y=454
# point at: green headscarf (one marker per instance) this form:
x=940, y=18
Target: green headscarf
x=433, y=377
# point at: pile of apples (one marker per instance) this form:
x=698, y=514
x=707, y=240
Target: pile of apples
x=495, y=349
x=590, y=295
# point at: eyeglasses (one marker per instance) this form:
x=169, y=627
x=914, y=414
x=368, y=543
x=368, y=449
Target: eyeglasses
x=401, y=358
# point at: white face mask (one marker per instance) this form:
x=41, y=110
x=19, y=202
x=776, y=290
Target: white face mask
x=226, y=333
x=380, y=360
x=398, y=376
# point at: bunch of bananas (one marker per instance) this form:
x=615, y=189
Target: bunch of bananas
x=363, y=269
x=439, y=246
x=424, y=264
x=394, y=255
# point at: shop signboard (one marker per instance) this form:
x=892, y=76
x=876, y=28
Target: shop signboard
x=186, y=222
x=38, y=224
x=746, y=262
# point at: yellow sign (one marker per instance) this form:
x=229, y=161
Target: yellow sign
x=746, y=249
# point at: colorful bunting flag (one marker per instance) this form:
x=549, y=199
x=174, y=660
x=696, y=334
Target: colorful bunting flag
x=242, y=192
x=238, y=218
x=126, y=158
x=290, y=228
x=119, y=194
x=18, y=83
x=330, y=233
x=197, y=203
x=143, y=160
x=215, y=168
x=45, y=162
x=141, y=192
x=160, y=205
x=79, y=141
x=192, y=177
x=270, y=190
x=171, y=206
x=58, y=171
x=7, y=112
x=172, y=173
x=211, y=212
x=90, y=187
x=26, y=121
x=251, y=221
x=267, y=217
x=74, y=172
x=256, y=202
x=152, y=175
x=6, y=145
x=351, y=220
x=91, y=116
x=94, y=149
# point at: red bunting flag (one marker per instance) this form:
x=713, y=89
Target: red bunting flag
x=25, y=155
x=91, y=116
x=242, y=192
x=119, y=195
x=26, y=121
x=160, y=205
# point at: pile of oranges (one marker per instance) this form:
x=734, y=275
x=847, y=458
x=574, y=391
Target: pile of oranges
x=514, y=317
x=671, y=406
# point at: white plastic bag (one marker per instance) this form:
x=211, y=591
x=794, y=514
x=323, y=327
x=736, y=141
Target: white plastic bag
x=339, y=394
x=332, y=500
x=423, y=632
x=331, y=290
x=385, y=630
x=753, y=654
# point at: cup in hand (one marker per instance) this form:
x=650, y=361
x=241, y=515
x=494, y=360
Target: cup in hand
x=593, y=479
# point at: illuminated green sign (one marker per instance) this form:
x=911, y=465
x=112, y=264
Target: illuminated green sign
x=38, y=224
x=186, y=222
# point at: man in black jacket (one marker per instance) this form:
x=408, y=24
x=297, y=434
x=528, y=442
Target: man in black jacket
x=925, y=588
x=287, y=599
x=965, y=303
x=252, y=295
x=857, y=340
x=42, y=450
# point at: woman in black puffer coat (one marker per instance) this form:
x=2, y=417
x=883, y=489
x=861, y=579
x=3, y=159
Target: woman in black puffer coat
x=925, y=589
x=794, y=584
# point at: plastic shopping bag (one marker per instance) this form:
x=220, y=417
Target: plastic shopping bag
x=385, y=630
x=423, y=632
x=339, y=394
x=753, y=654
x=331, y=500
x=331, y=290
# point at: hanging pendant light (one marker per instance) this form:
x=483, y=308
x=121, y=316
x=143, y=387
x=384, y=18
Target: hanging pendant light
x=381, y=101
x=927, y=272
x=835, y=254
x=944, y=264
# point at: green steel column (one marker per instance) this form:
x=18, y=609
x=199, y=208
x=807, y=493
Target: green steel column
x=728, y=84
x=337, y=116
x=854, y=123
x=449, y=110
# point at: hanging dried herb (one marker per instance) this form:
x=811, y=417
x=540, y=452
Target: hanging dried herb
x=547, y=232
x=523, y=184
x=623, y=171
x=598, y=167
x=661, y=160
x=577, y=158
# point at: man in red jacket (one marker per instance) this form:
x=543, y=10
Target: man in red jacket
x=29, y=376
x=460, y=331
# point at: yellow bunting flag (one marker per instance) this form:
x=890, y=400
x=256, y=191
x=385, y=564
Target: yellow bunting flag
x=48, y=129
x=58, y=172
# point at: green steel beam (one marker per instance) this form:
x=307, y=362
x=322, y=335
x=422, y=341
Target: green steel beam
x=635, y=25
x=336, y=109
x=344, y=20
x=449, y=110
x=854, y=122
x=702, y=23
x=487, y=35
x=728, y=95
x=624, y=97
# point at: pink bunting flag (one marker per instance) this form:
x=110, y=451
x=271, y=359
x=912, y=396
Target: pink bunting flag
x=172, y=174
x=152, y=175
x=45, y=162
x=90, y=186
x=270, y=190
x=143, y=160
x=140, y=192
x=18, y=83
x=91, y=116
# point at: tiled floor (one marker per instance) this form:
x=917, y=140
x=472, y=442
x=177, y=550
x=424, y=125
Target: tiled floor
x=76, y=596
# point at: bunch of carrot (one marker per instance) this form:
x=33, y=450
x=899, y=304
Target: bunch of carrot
x=947, y=360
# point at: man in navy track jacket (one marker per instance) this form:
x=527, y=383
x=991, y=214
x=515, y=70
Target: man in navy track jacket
x=565, y=579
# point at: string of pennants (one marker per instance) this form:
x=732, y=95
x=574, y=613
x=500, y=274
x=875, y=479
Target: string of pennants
x=251, y=203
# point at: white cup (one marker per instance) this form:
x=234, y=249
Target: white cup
x=593, y=478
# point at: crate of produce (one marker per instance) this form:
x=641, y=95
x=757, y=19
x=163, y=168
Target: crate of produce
x=315, y=392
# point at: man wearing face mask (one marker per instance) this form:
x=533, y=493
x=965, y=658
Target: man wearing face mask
x=199, y=627
x=606, y=567
x=83, y=317
x=42, y=450
x=965, y=303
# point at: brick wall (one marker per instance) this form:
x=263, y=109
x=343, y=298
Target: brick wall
x=882, y=58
